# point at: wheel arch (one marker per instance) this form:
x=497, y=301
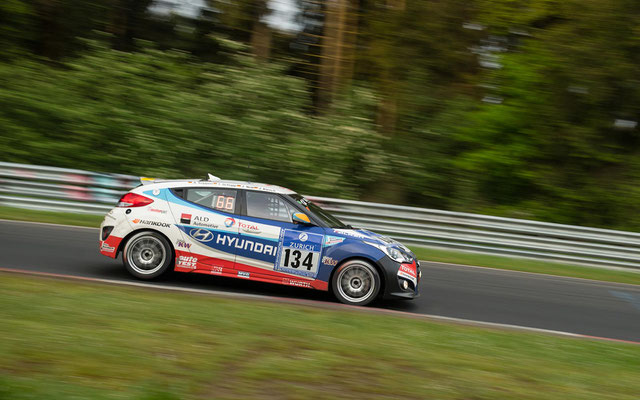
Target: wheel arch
x=124, y=241
x=371, y=261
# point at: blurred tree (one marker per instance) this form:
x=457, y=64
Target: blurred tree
x=16, y=22
x=161, y=113
x=244, y=21
x=553, y=146
x=126, y=18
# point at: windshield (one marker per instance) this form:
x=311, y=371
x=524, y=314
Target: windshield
x=318, y=212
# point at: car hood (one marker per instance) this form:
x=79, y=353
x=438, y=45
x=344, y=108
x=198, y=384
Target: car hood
x=368, y=236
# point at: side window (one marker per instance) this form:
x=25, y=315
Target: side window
x=268, y=206
x=218, y=199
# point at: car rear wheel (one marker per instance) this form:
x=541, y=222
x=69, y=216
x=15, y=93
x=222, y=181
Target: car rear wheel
x=356, y=282
x=147, y=255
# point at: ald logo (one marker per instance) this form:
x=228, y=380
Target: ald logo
x=201, y=235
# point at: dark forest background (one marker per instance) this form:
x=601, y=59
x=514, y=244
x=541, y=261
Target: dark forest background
x=526, y=109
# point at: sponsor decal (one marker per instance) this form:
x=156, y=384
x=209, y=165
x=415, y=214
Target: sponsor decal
x=152, y=223
x=216, y=270
x=229, y=222
x=331, y=240
x=297, y=256
x=293, y=282
x=201, y=235
x=203, y=221
x=249, y=228
x=187, y=262
x=157, y=210
x=351, y=232
x=182, y=243
x=106, y=248
x=185, y=218
x=246, y=244
x=243, y=274
x=329, y=261
x=408, y=269
x=156, y=192
x=409, y=272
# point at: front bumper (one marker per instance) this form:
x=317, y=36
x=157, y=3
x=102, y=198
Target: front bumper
x=395, y=275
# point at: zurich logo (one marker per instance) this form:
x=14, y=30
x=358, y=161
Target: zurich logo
x=303, y=237
x=229, y=222
x=201, y=235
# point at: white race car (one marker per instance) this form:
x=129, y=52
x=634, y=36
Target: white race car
x=253, y=231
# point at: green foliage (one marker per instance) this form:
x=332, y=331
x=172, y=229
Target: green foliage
x=163, y=113
x=16, y=17
x=410, y=128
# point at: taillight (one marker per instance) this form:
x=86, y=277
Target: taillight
x=134, y=200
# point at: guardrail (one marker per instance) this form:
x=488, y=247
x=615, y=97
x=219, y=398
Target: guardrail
x=71, y=190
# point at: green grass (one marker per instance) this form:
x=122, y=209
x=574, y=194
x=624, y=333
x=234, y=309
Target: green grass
x=438, y=255
x=20, y=214
x=71, y=340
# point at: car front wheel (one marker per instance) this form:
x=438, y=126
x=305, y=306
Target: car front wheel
x=356, y=282
x=147, y=255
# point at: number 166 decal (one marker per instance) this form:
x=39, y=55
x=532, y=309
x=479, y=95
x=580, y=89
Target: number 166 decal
x=299, y=253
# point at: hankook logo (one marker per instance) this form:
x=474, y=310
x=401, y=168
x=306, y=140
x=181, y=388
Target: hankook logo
x=201, y=235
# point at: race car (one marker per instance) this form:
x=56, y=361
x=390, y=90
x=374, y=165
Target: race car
x=253, y=231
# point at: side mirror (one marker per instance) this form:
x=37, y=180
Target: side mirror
x=301, y=218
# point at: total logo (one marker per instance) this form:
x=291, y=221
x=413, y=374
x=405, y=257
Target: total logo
x=249, y=228
x=229, y=222
x=303, y=237
x=201, y=235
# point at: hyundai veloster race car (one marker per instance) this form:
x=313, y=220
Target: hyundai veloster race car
x=253, y=231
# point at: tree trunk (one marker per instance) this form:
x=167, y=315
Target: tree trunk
x=261, y=40
x=333, y=43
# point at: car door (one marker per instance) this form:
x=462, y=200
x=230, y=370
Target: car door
x=294, y=249
x=206, y=217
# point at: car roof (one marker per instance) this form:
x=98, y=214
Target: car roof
x=263, y=187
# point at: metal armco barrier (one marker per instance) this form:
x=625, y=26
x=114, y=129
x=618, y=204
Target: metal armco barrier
x=70, y=190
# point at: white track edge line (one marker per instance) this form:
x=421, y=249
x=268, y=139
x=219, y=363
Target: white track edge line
x=321, y=304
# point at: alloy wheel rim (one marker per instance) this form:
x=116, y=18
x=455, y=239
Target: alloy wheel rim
x=356, y=283
x=146, y=255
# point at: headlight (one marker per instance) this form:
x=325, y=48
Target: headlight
x=393, y=253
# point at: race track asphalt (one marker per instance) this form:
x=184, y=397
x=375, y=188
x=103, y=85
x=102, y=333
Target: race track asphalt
x=538, y=301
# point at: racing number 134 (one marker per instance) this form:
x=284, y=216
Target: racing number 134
x=292, y=259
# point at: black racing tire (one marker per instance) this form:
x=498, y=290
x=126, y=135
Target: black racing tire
x=147, y=255
x=356, y=282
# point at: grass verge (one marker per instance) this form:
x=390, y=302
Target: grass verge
x=20, y=214
x=438, y=255
x=64, y=340
x=527, y=265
